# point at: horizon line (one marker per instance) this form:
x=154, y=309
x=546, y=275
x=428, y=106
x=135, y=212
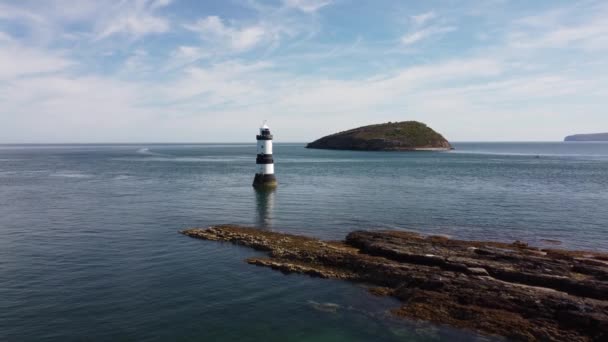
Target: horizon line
x=253, y=143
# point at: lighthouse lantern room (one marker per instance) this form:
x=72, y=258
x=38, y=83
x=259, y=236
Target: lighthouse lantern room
x=264, y=176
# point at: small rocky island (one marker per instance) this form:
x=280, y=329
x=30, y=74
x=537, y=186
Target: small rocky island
x=511, y=290
x=587, y=137
x=392, y=136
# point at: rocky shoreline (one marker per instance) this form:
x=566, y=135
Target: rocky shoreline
x=511, y=290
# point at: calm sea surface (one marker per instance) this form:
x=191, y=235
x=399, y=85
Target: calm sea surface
x=89, y=248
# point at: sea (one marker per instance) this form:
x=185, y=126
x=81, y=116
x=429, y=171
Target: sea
x=90, y=249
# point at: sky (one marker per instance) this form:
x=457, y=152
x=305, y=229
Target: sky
x=213, y=71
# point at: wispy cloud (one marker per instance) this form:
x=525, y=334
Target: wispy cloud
x=17, y=60
x=580, y=25
x=5, y=37
x=229, y=84
x=427, y=32
x=12, y=13
x=213, y=29
x=137, y=62
x=421, y=19
x=590, y=35
x=308, y=6
x=135, y=19
x=425, y=26
x=185, y=55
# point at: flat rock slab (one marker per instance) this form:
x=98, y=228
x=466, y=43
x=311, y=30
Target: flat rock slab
x=510, y=290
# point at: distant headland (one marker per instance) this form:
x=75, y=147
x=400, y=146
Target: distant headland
x=391, y=136
x=587, y=137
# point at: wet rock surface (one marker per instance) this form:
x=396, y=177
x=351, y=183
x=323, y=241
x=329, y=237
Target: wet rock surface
x=511, y=290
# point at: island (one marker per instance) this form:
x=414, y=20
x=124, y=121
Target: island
x=391, y=136
x=587, y=137
x=513, y=290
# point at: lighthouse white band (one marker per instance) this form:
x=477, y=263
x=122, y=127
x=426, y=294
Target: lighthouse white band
x=265, y=169
x=264, y=146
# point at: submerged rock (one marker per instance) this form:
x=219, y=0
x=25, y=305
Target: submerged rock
x=324, y=307
x=511, y=290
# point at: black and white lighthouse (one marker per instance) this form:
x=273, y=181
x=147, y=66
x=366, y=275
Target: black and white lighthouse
x=264, y=176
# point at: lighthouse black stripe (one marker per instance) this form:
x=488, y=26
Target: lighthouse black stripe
x=263, y=137
x=264, y=159
x=261, y=179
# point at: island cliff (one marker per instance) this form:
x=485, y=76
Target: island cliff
x=392, y=136
x=588, y=137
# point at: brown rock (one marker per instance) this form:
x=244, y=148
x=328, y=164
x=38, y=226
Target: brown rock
x=512, y=290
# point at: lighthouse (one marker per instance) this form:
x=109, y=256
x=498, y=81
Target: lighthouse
x=264, y=176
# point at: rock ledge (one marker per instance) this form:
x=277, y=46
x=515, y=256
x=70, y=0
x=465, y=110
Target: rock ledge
x=511, y=290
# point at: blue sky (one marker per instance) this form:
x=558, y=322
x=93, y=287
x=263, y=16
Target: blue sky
x=212, y=71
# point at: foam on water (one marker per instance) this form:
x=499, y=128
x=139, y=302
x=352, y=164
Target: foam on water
x=146, y=151
x=319, y=160
x=70, y=174
x=188, y=159
x=533, y=155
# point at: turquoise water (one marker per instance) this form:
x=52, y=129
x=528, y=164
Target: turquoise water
x=89, y=248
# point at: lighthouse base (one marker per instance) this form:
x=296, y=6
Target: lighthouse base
x=264, y=181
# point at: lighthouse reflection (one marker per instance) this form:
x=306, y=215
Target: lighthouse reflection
x=264, y=199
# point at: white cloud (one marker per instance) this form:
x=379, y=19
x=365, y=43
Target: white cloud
x=421, y=19
x=185, y=55
x=160, y=3
x=422, y=28
x=60, y=108
x=591, y=35
x=188, y=52
x=58, y=11
x=213, y=29
x=135, y=19
x=135, y=25
x=235, y=95
x=14, y=13
x=137, y=62
x=5, y=37
x=221, y=82
x=46, y=20
x=308, y=6
x=247, y=38
x=16, y=60
x=562, y=28
x=425, y=33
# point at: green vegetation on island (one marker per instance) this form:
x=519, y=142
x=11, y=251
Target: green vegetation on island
x=391, y=136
